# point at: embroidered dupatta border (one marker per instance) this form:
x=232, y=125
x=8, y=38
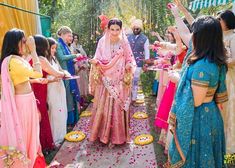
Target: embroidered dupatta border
x=172, y=129
x=125, y=103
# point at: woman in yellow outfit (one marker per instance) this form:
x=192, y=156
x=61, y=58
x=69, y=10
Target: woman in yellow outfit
x=19, y=132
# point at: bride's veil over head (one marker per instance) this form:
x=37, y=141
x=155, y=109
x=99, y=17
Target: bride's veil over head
x=105, y=40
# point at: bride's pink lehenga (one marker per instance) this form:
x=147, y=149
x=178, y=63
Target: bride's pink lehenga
x=110, y=112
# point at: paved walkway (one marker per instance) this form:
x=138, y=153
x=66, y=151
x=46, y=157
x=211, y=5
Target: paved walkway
x=96, y=155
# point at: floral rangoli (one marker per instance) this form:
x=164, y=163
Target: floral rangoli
x=140, y=115
x=143, y=139
x=75, y=136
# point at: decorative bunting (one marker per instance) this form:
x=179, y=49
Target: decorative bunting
x=199, y=4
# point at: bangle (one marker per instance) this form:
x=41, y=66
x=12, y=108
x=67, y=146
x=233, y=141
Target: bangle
x=64, y=74
x=36, y=63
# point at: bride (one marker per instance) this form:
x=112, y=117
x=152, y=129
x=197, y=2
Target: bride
x=110, y=83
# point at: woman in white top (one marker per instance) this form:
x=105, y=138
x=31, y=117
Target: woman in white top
x=56, y=98
x=227, y=21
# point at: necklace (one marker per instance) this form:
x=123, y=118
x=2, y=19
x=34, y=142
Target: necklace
x=114, y=46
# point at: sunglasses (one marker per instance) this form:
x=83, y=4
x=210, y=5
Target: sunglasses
x=137, y=29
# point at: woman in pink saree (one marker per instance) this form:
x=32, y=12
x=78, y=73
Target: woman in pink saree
x=110, y=83
x=19, y=131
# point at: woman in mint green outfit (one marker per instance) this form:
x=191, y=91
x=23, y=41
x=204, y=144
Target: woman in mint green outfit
x=65, y=59
x=195, y=120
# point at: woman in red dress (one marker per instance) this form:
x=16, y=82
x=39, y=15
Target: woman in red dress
x=40, y=91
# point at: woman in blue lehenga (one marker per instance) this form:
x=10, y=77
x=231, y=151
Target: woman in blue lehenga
x=196, y=122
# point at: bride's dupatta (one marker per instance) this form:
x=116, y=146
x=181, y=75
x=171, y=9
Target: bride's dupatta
x=111, y=74
x=11, y=141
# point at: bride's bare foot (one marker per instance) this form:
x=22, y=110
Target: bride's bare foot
x=110, y=145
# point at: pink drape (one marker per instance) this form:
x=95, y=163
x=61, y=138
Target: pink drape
x=11, y=131
x=19, y=129
x=113, y=69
